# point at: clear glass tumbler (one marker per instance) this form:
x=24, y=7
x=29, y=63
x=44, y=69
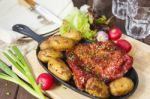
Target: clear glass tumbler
x=119, y=8
x=137, y=20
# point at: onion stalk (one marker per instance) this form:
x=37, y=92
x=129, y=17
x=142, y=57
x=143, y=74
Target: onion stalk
x=17, y=59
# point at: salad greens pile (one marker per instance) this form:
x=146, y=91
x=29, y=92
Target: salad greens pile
x=79, y=21
x=102, y=20
x=17, y=59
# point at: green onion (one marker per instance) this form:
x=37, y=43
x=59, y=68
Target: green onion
x=17, y=59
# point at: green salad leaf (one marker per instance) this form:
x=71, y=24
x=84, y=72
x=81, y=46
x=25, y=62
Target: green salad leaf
x=102, y=20
x=79, y=21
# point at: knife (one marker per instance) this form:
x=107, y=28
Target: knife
x=46, y=13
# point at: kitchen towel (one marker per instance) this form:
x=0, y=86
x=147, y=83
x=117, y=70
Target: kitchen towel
x=16, y=12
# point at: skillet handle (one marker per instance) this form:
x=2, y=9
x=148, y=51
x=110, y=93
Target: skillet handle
x=23, y=29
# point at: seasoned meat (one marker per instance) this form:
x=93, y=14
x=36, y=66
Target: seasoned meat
x=80, y=76
x=104, y=60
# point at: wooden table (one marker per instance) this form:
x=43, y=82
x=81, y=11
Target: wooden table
x=10, y=90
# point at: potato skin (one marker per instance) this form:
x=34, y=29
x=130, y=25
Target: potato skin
x=60, y=43
x=59, y=68
x=74, y=35
x=97, y=88
x=121, y=86
x=45, y=55
x=44, y=45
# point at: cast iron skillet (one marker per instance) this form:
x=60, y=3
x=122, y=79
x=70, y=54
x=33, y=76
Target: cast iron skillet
x=70, y=84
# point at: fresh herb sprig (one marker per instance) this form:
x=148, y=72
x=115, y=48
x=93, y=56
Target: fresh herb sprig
x=104, y=20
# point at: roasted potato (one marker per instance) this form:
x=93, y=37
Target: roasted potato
x=121, y=86
x=45, y=55
x=97, y=88
x=60, y=43
x=74, y=35
x=59, y=68
x=44, y=45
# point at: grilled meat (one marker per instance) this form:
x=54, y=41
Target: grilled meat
x=80, y=76
x=104, y=60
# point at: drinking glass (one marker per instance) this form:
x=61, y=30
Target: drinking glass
x=101, y=7
x=119, y=8
x=137, y=20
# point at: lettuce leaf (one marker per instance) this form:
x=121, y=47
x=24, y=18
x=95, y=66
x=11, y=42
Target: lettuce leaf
x=79, y=21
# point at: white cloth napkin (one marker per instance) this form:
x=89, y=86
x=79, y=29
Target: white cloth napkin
x=12, y=12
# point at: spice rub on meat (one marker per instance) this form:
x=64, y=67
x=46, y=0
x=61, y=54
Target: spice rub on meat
x=104, y=60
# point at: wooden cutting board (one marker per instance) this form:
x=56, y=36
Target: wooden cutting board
x=141, y=55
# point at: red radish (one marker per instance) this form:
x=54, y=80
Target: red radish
x=124, y=44
x=114, y=33
x=46, y=81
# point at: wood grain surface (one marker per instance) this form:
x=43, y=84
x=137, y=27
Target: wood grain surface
x=8, y=90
